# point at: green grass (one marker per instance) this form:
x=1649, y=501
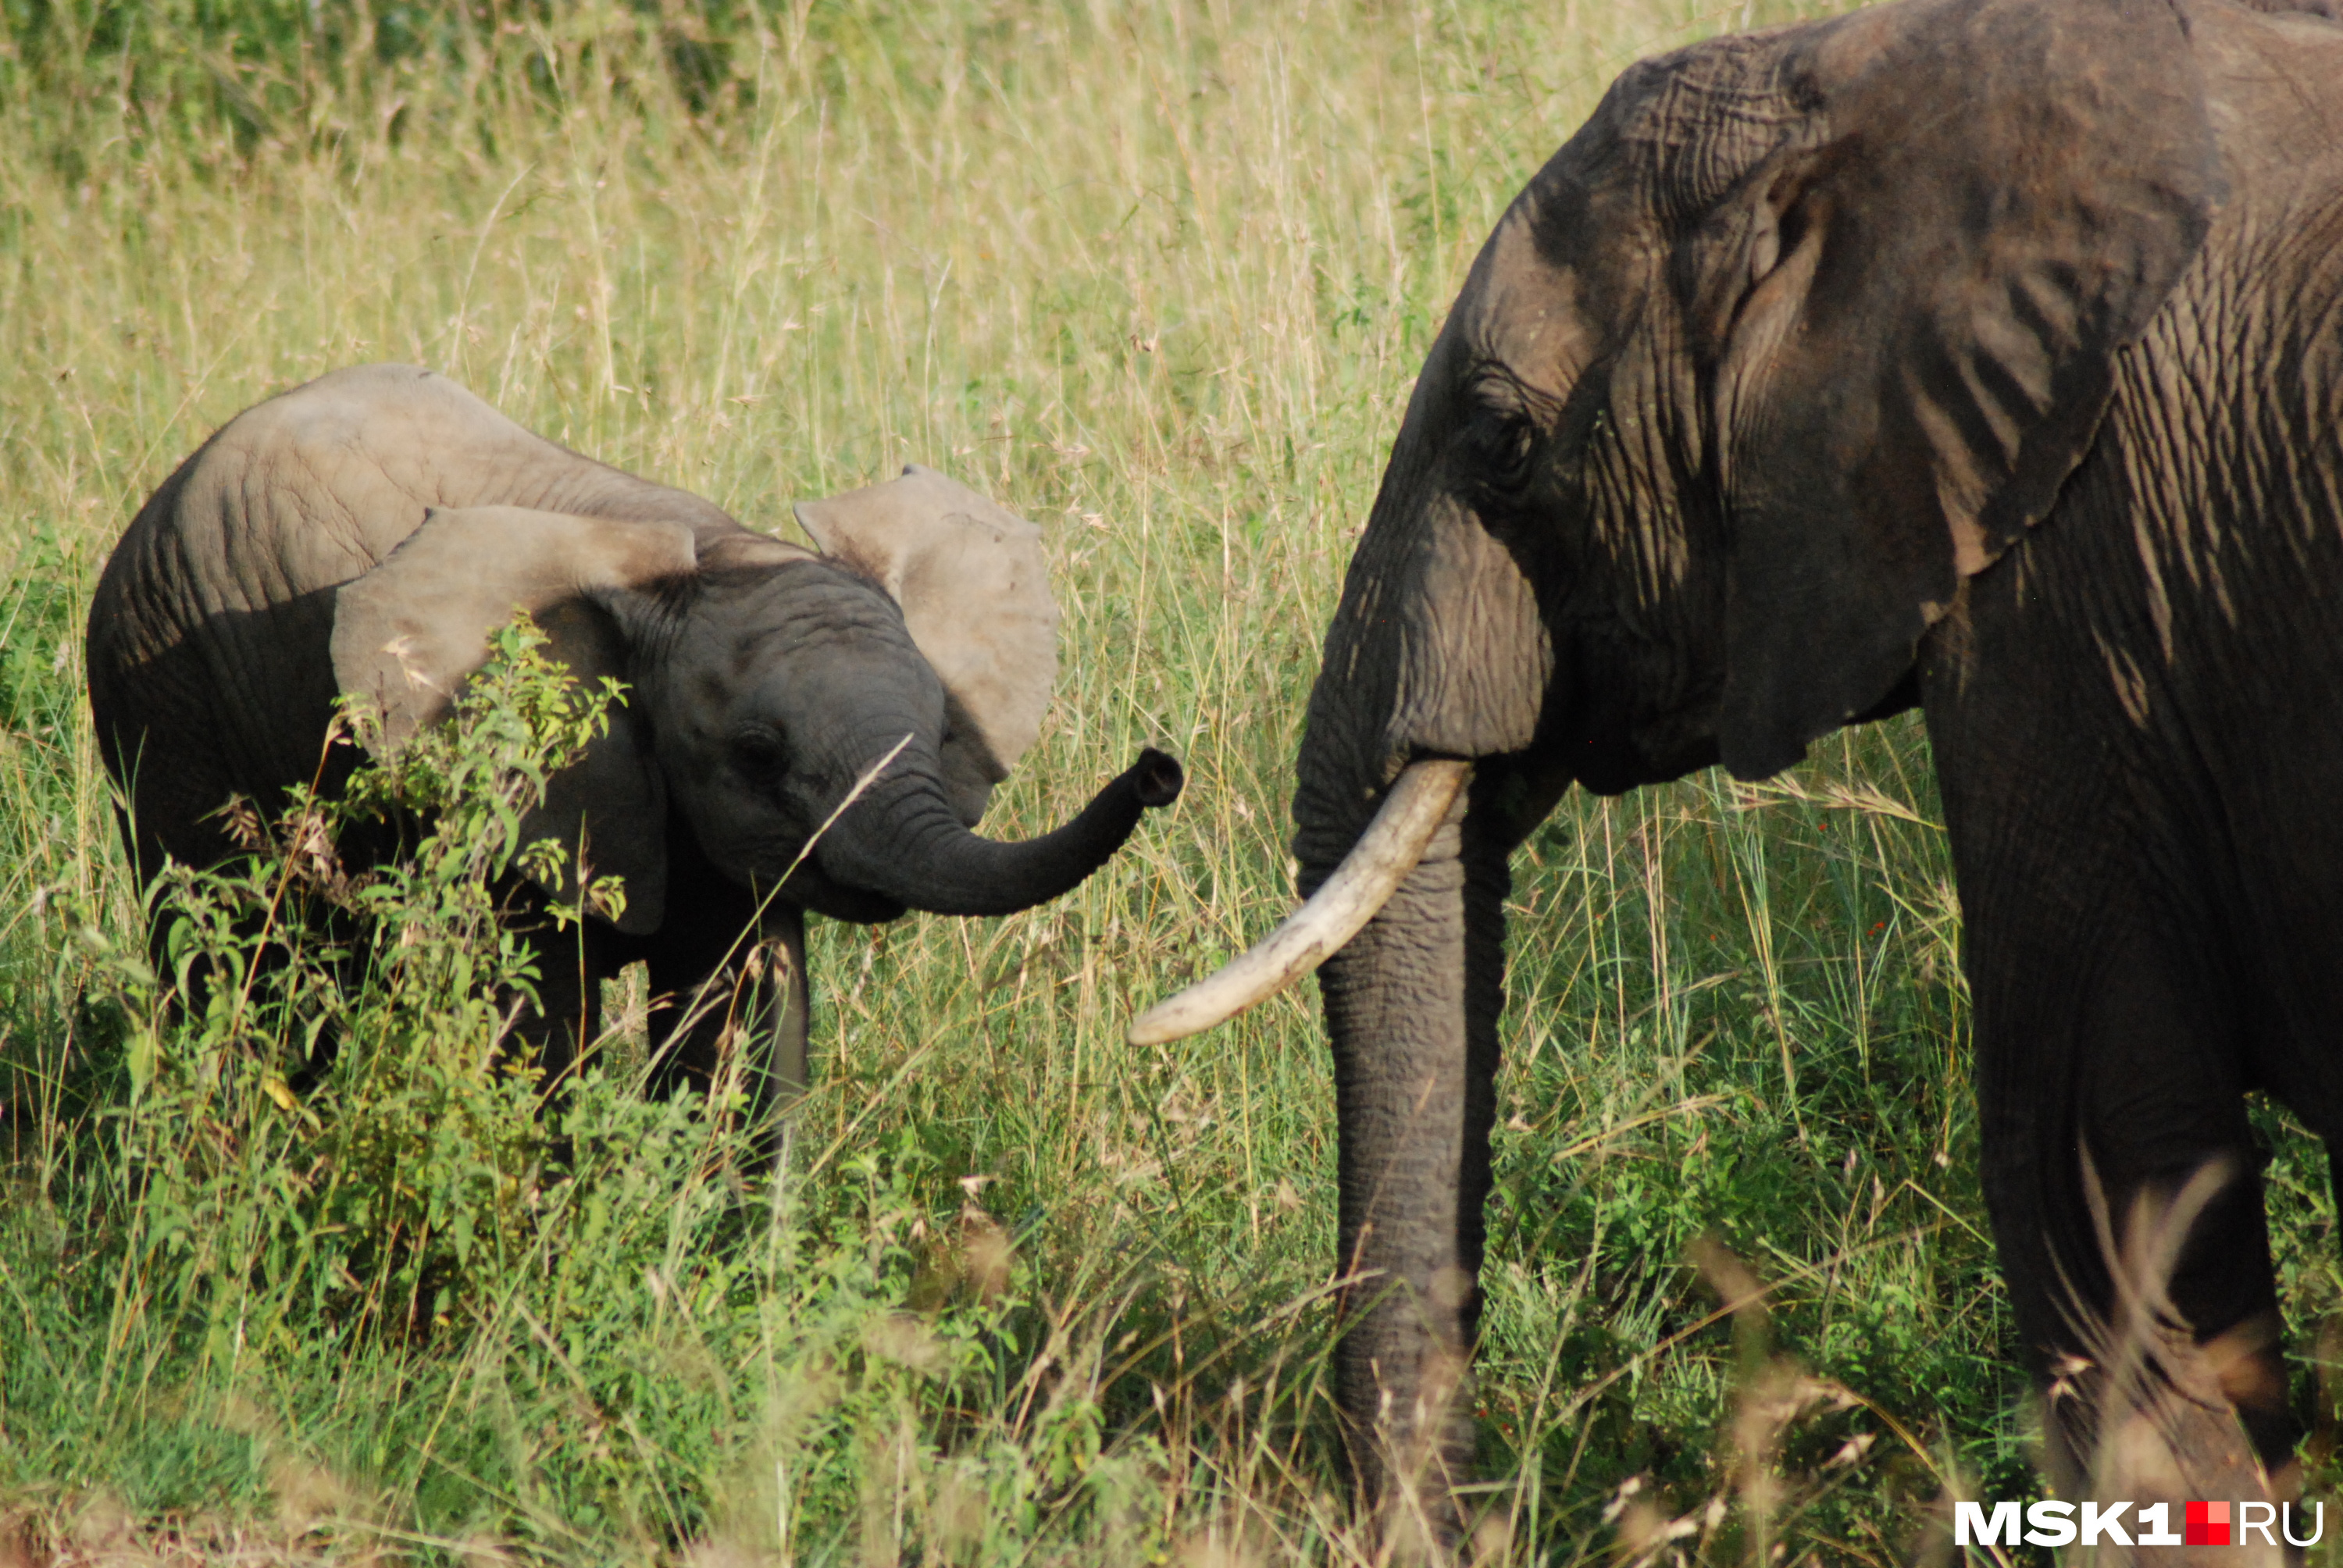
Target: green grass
x=1159, y=277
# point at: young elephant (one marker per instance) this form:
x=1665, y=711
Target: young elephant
x=367, y=532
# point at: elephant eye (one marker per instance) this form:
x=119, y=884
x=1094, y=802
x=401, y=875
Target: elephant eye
x=1502, y=443
x=759, y=753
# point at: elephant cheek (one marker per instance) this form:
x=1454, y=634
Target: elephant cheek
x=1478, y=657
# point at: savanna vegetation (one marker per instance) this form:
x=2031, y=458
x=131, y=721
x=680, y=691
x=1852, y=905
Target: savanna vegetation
x=1157, y=276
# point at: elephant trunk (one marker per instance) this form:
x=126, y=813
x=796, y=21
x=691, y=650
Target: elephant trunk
x=904, y=842
x=1412, y=1006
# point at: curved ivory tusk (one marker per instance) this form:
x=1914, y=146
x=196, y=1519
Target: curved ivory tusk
x=1382, y=858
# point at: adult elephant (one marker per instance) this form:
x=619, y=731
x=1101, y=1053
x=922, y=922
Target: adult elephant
x=365, y=533
x=1985, y=355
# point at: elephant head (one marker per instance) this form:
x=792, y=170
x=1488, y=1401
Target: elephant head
x=828, y=724
x=1796, y=335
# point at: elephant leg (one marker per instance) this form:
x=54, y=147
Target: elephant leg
x=722, y=972
x=571, y=965
x=2158, y=1137
x=786, y=1075
x=2111, y=1066
x=1412, y=1006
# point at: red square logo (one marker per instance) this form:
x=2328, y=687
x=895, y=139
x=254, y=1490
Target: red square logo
x=2209, y=1524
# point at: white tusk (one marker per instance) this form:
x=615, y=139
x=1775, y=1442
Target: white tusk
x=1382, y=858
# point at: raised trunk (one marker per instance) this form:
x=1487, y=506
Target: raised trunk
x=1412, y=1006
x=904, y=843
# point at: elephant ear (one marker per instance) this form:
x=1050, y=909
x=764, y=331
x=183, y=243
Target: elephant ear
x=1912, y=308
x=974, y=587
x=408, y=633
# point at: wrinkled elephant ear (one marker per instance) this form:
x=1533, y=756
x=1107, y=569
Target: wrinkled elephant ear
x=974, y=587
x=408, y=633
x=1912, y=310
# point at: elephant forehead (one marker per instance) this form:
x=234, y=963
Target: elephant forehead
x=1527, y=312
x=809, y=610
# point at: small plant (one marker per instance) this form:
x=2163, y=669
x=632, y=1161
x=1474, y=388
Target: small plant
x=326, y=1085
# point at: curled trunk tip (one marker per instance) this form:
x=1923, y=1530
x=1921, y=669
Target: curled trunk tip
x=913, y=851
x=1156, y=778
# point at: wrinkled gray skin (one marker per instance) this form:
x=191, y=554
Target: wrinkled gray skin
x=365, y=533
x=1985, y=355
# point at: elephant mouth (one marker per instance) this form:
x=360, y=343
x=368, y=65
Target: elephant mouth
x=836, y=900
x=1418, y=802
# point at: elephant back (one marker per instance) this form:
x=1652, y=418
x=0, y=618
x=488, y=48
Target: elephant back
x=210, y=671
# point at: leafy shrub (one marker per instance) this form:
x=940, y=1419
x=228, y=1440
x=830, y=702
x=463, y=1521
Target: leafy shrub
x=327, y=1088
x=328, y=1148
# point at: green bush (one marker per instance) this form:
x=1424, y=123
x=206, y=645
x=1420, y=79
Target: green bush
x=247, y=1208
x=417, y=1157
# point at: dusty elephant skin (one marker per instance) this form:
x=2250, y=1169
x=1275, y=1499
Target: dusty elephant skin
x=367, y=532
x=1985, y=355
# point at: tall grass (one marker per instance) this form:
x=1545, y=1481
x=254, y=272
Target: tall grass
x=1158, y=277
